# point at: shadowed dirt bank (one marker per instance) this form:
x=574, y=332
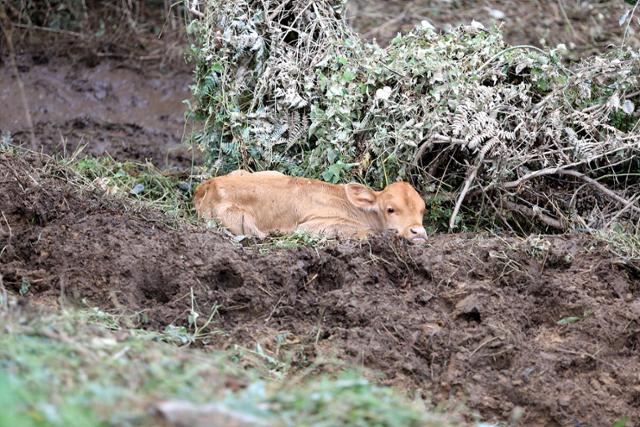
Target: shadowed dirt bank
x=550, y=324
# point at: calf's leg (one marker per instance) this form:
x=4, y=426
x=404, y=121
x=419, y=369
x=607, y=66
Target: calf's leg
x=321, y=228
x=238, y=221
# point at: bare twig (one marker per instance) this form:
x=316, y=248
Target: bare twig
x=487, y=341
x=434, y=139
x=601, y=188
x=49, y=30
x=623, y=210
x=628, y=204
x=8, y=226
x=583, y=353
x=472, y=175
x=509, y=49
x=534, y=213
x=630, y=19
x=566, y=19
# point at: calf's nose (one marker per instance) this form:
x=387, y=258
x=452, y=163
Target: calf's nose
x=418, y=234
x=418, y=231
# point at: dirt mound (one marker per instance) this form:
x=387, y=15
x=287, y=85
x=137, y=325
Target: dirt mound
x=551, y=325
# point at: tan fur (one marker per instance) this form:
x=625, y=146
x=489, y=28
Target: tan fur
x=260, y=203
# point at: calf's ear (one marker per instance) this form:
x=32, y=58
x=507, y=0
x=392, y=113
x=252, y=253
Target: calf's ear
x=360, y=196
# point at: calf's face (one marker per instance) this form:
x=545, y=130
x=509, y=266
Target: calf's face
x=399, y=206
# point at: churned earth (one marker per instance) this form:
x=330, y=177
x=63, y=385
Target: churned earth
x=547, y=326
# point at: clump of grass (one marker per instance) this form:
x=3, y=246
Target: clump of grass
x=291, y=241
x=625, y=244
x=349, y=401
x=68, y=372
x=197, y=330
x=169, y=192
x=84, y=368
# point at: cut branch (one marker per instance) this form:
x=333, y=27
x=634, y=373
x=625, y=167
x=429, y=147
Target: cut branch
x=472, y=175
x=430, y=142
x=602, y=189
x=534, y=213
x=569, y=172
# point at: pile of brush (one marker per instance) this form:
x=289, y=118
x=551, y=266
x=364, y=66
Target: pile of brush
x=493, y=135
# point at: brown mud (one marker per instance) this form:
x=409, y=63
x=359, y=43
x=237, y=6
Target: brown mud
x=550, y=325
x=105, y=107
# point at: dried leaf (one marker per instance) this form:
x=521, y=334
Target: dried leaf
x=384, y=93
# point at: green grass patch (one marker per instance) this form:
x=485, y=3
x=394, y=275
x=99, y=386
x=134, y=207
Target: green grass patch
x=84, y=368
x=168, y=191
x=292, y=241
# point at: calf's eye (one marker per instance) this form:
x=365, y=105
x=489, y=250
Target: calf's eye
x=390, y=210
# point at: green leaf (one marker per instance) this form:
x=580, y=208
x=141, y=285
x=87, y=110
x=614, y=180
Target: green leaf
x=569, y=320
x=327, y=175
x=25, y=285
x=348, y=76
x=620, y=422
x=331, y=155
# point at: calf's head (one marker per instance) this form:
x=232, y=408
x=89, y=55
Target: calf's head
x=398, y=206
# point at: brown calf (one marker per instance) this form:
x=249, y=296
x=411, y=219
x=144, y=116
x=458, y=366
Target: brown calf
x=256, y=204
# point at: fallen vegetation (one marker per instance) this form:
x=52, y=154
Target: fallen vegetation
x=506, y=137
x=169, y=191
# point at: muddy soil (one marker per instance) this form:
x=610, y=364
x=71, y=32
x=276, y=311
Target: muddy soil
x=550, y=325
x=105, y=106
